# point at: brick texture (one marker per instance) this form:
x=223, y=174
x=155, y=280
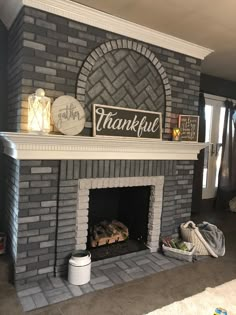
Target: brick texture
x=52, y=52
x=36, y=219
x=51, y=55
x=124, y=78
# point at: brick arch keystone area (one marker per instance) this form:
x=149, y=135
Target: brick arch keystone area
x=110, y=46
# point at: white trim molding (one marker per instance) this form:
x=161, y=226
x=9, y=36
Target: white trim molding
x=218, y=98
x=80, y=13
x=25, y=146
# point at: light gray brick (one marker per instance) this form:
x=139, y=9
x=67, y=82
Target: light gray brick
x=99, y=286
x=68, y=215
x=50, y=26
x=25, y=275
x=39, y=170
x=28, y=219
x=24, y=185
x=47, y=244
x=86, y=288
x=38, y=238
x=28, y=19
x=57, y=282
x=20, y=269
x=122, y=265
x=29, y=291
x=48, y=217
x=56, y=291
x=27, y=303
x=66, y=60
x=59, y=298
x=40, y=184
x=45, y=270
x=99, y=280
x=75, y=290
x=33, y=45
x=68, y=189
x=45, y=284
x=39, y=300
x=44, y=71
x=124, y=276
x=44, y=85
x=26, y=261
x=78, y=26
x=28, y=233
x=51, y=203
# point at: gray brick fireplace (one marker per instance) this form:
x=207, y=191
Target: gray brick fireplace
x=48, y=214
x=48, y=178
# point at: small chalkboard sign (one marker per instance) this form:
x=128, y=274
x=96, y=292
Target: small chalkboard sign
x=125, y=122
x=189, y=126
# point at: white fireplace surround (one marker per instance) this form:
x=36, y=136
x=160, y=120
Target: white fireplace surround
x=26, y=146
x=155, y=205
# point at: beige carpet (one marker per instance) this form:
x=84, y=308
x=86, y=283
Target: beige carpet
x=204, y=303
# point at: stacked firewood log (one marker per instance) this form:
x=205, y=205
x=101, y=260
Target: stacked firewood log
x=107, y=232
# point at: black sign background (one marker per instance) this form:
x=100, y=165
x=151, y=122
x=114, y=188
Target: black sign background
x=189, y=125
x=126, y=114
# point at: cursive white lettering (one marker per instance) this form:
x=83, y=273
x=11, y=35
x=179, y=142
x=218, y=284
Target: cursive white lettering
x=111, y=121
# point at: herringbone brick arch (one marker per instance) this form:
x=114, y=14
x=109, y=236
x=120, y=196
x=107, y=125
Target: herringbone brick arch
x=126, y=74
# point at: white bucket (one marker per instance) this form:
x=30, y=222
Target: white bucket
x=79, y=270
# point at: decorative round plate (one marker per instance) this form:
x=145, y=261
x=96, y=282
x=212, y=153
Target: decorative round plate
x=68, y=115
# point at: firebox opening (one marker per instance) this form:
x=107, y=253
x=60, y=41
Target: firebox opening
x=123, y=213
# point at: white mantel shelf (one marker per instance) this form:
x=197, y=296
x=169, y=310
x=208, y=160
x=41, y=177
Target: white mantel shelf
x=25, y=146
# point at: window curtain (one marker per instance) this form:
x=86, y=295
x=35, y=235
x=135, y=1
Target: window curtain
x=227, y=173
x=199, y=164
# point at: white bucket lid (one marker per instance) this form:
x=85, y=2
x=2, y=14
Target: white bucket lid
x=80, y=258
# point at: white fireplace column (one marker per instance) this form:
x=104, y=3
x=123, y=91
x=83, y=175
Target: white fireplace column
x=155, y=205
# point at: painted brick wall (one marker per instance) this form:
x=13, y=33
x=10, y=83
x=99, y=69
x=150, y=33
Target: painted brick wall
x=46, y=185
x=37, y=213
x=48, y=51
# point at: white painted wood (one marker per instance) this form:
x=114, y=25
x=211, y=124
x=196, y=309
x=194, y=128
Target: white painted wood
x=217, y=103
x=209, y=97
x=80, y=13
x=25, y=146
x=68, y=115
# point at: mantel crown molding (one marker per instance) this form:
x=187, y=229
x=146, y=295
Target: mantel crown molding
x=25, y=146
x=80, y=13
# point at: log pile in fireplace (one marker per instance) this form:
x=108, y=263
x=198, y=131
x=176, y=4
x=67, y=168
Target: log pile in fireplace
x=108, y=232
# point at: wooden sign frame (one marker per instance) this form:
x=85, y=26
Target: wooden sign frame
x=127, y=117
x=189, y=126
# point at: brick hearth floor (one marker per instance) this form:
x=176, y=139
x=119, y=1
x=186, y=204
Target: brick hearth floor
x=105, y=273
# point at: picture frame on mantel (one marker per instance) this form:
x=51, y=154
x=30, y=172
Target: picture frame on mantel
x=189, y=126
x=114, y=121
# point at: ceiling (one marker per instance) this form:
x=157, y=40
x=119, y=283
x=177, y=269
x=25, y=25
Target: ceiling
x=210, y=23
